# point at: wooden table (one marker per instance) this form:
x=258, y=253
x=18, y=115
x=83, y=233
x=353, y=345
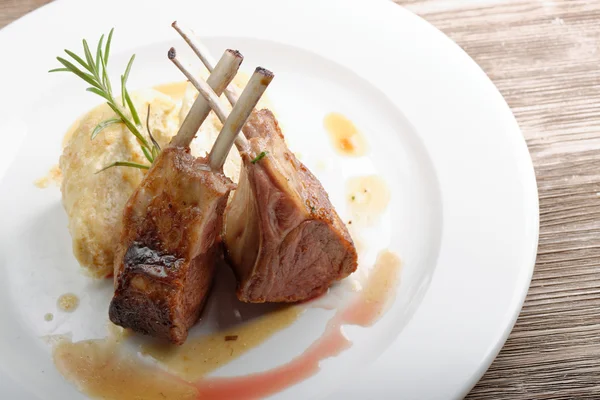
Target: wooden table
x=544, y=56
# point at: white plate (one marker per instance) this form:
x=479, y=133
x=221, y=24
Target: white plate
x=464, y=202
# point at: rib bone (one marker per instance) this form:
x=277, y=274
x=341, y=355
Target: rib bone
x=239, y=114
x=283, y=238
x=242, y=109
x=220, y=77
x=205, y=56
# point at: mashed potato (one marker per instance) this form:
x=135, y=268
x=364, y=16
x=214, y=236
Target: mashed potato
x=94, y=202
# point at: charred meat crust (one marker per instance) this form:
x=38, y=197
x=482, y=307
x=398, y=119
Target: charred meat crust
x=148, y=297
x=169, y=246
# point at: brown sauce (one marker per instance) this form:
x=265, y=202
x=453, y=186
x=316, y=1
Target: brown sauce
x=377, y=293
x=202, y=355
x=105, y=369
x=101, y=369
x=68, y=302
x=365, y=311
x=175, y=90
x=263, y=384
x=368, y=197
x=345, y=137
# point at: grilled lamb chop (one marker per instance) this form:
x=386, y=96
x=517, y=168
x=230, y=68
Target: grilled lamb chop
x=284, y=240
x=169, y=246
x=170, y=242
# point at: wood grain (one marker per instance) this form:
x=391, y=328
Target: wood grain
x=13, y=9
x=544, y=57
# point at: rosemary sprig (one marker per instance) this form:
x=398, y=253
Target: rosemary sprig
x=103, y=125
x=259, y=157
x=124, y=164
x=95, y=73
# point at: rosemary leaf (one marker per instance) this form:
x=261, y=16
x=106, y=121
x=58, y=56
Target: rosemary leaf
x=128, y=69
x=124, y=78
x=99, y=53
x=134, y=114
x=147, y=154
x=105, y=79
x=98, y=92
x=107, y=49
x=78, y=59
x=124, y=164
x=72, y=68
x=130, y=126
x=94, y=72
x=88, y=57
x=123, y=91
x=103, y=125
x=259, y=157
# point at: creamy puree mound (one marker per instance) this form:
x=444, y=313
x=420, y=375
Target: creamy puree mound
x=93, y=201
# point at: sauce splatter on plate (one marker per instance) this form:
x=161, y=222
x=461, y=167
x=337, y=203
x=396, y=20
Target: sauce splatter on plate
x=368, y=197
x=202, y=355
x=345, y=137
x=103, y=369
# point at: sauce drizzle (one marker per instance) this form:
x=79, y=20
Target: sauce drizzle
x=368, y=197
x=345, y=137
x=364, y=311
x=100, y=368
x=202, y=355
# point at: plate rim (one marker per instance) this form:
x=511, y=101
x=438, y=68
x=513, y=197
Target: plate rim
x=524, y=159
